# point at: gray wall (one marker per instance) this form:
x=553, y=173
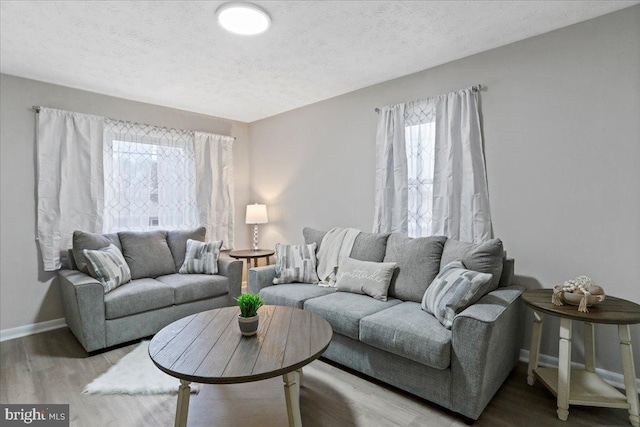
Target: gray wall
x=27, y=293
x=561, y=116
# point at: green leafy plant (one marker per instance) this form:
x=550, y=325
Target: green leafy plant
x=249, y=304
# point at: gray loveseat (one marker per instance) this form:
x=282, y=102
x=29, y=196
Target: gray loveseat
x=399, y=343
x=156, y=296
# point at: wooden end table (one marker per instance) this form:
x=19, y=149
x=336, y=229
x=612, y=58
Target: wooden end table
x=584, y=386
x=208, y=348
x=250, y=254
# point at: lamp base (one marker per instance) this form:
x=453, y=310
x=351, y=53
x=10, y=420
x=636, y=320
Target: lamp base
x=255, y=237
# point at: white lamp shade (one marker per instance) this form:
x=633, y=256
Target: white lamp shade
x=257, y=214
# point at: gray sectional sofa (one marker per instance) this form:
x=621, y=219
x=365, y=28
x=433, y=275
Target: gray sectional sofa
x=156, y=296
x=399, y=343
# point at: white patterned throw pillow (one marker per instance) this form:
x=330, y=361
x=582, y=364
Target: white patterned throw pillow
x=454, y=289
x=295, y=263
x=201, y=257
x=108, y=266
x=365, y=277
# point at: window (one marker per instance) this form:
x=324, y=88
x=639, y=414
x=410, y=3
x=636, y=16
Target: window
x=420, y=145
x=149, y=179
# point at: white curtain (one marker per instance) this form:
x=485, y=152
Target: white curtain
x=391, y=187
x=429, y=156
x=150, y=178
x=215, y=185
x=460, y=192
x=70, y=179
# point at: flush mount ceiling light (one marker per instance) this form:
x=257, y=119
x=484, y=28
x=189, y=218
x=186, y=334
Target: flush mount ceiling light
x=243, y=18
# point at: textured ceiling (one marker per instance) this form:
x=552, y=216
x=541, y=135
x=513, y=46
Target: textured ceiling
x=173, y=53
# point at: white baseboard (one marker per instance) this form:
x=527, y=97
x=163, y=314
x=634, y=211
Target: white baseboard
x=35, y=328
x=613, y=378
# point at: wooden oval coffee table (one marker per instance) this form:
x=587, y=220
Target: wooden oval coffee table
x=208, y=348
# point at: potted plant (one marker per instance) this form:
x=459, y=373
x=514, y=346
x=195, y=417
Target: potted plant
x=248, y=317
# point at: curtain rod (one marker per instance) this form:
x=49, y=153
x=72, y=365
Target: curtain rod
x=36, y=108
x=475, y=88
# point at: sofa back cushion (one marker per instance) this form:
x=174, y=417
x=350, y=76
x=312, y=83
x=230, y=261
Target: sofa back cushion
x=147, y=253
x=91, y=241
x=418, y=263
x=486, y=257
x=177, y=241
x=367, y=246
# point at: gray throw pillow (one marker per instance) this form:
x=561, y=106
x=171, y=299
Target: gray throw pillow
x=201, y=257
x=147, y=253
x=486, y=257
x=295, y=263
x=108, y=266
x=83, y=240
x=177, y=241
x=454, y=289
x=418, y=263
x=364, y=277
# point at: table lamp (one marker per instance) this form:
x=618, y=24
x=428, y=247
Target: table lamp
x=256, y=214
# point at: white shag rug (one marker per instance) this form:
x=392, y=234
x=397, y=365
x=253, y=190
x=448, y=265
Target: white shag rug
x=135, y=373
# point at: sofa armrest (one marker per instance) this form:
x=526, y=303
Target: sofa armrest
x=232, y=270
x=485, y=348
x=261, y=277
x=83, y=301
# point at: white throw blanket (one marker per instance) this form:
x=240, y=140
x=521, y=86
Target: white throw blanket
x=336, y=244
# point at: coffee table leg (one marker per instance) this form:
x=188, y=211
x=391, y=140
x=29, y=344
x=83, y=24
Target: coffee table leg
x=535, y=347
x=184, y=392
x=629, y=374
x=292, y=396
x=564, y=368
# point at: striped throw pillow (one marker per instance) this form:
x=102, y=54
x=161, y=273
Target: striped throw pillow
x=201, y=257
x=108, y=266
x=296, y=263
x=454, y=289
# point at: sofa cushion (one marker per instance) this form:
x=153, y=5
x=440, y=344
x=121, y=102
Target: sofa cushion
x=343, y=311
x=193, y=287
x=147, y=253
x=83, y=240
x=418, y=264
x=137, y=296
x=295, y=263
x=293, y=295
x=311, y=235
x=367, y=246
x=409, y=332
x=201, y=257
x=108, y=266
x=454, y=289
x=365, y=278
x=370, y=247
x=177, y=241
x=486, y=257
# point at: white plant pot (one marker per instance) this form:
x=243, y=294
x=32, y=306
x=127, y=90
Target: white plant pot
x=248, y=325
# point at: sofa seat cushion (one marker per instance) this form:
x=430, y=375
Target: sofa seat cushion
x=408, y=331
x=194, y=287
x=137, y=296
x=294, y=294
x=344, y=311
